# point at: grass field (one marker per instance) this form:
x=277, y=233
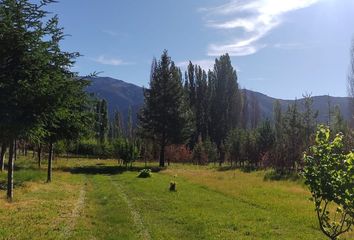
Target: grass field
x=95, y=199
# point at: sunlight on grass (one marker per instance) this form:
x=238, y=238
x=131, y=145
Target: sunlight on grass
x=85, y=202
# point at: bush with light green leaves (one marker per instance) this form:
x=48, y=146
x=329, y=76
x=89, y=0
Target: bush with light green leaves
x=329, y=174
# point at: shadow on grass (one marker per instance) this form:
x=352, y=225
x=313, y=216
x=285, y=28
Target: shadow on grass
x=22, y=176
x=281, y=176
x=245, y=169
x=107, y=170
x=3, y=184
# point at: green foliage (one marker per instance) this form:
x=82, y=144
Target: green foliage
x=265, y=137
x=165, y=116
x=90, y=147
x=199, y=154
x=329, y=173
x=145, y=173
x=225, y=99
x=125, y=150
x=233, y=145
x=211, y=150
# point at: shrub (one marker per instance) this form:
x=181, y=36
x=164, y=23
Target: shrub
x=329, y=173
x=178, y=154
x=199, y=155
x=211, y=150
x=145, y=173
x=126, y=151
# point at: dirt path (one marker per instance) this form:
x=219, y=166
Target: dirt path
x=144, y=234
x=76, y=212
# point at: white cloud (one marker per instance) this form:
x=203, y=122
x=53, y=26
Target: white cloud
x=110, y=61
x=255, y=19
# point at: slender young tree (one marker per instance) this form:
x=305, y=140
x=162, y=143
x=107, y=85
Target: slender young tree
x=309, y=118
x=165, y=116
x=255, y=111
x=103, y=122
x=244, y=110
x=130, y=124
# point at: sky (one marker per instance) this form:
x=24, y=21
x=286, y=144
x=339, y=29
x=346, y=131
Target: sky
x=282, y=48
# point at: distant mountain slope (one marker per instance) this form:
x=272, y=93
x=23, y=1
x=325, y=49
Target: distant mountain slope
x=320, y=103
x=120, y=95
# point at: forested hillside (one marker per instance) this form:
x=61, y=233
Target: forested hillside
x=120, y=95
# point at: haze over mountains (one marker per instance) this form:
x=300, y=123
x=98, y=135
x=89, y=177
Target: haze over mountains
x=120, y=95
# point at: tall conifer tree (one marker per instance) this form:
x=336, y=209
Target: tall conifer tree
x=165, y=116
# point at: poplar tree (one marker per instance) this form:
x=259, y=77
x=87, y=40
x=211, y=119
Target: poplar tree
x=165, y=116
x=103, y=121
x=244, y=110
x=225, y=99
x=309, y=118
x=201, y=104
x=130, y=124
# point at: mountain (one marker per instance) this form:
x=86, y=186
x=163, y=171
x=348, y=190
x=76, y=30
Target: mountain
x=120, y=95
x=320, y=104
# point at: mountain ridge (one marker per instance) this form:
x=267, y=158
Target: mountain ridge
x=120, y=95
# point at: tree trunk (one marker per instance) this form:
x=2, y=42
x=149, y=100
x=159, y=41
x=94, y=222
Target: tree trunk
x=39, y=153
x=50, y=160
x=162, y=153
x=2, y=156
x=10, y=171
x=15, y=150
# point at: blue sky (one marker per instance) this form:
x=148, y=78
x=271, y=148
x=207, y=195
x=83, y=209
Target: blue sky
x=282, y=48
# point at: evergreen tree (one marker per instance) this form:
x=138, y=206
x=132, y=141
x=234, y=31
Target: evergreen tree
x=225, y=99
x=165, y=116
x=192, y=87
x=103, y=122
x=339, y=125
x=309, y=118
x=201, y=112
x=255, y=111
x=244, y=110
x=265, y=138
x=278, y=120
x=293, y=136
x=130, y=124
x=26, y=83
x=117, y=125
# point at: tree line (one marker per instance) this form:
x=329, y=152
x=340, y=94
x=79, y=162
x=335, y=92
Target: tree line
x=207, y=117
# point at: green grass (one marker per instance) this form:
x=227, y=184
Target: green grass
x=96, y=199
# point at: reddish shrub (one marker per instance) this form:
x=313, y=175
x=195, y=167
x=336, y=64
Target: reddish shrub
x=178, y=154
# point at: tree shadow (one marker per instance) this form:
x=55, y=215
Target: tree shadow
x=107, y=170
x=246, y=168
x=282, y=176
